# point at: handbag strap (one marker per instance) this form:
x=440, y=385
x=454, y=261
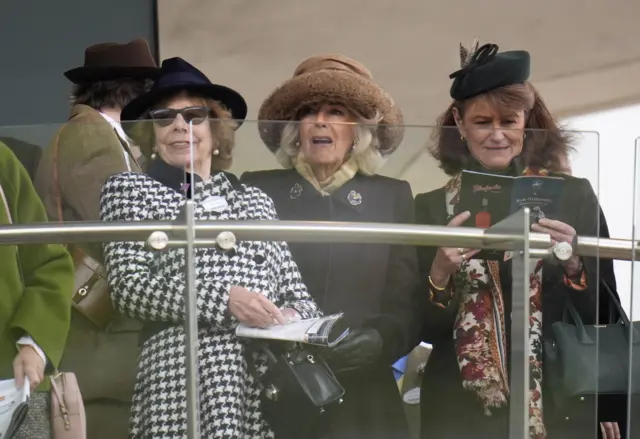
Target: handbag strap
x=58, y=389
x=56, y=177
x=58, y=393
x=255, y=347
x=623, y=315
x=570, y=310
x=617, y=305
x=76, y=252
x=57, y=191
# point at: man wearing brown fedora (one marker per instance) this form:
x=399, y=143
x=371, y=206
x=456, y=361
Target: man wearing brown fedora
x=102, y=347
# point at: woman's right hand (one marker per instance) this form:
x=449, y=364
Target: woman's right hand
x=448, y=260
x=253, y=308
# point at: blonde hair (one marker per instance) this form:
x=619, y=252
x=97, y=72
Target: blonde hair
x=222, y=130
x=365, y=152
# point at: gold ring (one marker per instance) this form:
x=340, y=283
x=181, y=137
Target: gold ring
x=464, y=257
x=461, y=251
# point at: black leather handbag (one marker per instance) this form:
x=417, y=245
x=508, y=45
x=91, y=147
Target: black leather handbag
x=299, y=389
x=590, y=360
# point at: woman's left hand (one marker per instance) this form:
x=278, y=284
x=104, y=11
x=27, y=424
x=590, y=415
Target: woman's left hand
x=560, y=232
x=28, y=363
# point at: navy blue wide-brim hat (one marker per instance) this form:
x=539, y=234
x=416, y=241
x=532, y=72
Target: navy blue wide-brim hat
x=484, y=69
x=177, y=75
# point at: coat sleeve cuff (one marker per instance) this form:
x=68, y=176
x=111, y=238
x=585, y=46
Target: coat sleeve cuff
x=441, y=297
x=577, y=284
x=28, y=341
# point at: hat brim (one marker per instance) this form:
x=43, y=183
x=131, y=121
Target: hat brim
x=229, y=98
x=81, y=75
x=350, y=90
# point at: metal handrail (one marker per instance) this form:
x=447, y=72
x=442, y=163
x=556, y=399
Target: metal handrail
x=303, y=231
x=163, y=234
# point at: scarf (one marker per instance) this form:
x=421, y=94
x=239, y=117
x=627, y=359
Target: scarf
x=479, y=329
x=345, y=173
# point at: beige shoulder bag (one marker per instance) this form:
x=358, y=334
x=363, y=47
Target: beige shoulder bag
x=68, y=418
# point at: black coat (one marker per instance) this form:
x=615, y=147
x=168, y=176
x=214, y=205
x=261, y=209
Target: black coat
x=374, y=285
x=443, y=400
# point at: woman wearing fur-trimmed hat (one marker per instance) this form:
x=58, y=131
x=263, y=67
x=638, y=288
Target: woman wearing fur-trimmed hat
x=191, y=134
x=331, y=126
x=465, y=389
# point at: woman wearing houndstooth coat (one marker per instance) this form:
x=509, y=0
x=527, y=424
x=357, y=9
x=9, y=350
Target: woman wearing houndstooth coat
x=254, y=282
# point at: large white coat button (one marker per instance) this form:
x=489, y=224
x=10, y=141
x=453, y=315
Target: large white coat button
x=226, y=240
x=158, y=240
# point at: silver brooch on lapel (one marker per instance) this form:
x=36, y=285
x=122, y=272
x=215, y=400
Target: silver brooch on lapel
x=295, y=191
x=354, y=198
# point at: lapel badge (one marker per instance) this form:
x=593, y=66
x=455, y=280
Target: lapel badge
x=354, y=198
x=295, y=191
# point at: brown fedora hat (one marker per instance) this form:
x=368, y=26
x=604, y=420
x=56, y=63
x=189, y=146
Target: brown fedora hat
x=333, y=78
x=107, y=61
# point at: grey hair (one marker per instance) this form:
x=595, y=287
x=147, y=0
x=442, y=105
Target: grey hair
x=366, y=149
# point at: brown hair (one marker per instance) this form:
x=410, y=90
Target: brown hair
x=222, y=130
x=545, y=145
x=108, y=94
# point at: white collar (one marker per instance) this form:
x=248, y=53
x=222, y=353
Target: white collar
x=118, y=128
x=123, y=136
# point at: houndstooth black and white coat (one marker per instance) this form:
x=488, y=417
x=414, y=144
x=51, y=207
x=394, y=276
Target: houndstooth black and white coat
x=150, y=287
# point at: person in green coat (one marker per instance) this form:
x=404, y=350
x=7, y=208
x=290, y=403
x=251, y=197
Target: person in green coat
x=36, y=281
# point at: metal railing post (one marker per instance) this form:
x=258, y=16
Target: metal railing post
x=518, y=321
x=191, y=328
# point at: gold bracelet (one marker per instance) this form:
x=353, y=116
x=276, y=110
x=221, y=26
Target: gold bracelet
x=435, y=287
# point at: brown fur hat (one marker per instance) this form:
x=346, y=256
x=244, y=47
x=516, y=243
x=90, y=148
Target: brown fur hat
x=337, y=79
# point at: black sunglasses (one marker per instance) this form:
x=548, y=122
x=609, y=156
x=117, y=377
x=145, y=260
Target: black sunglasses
x=164, y=117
